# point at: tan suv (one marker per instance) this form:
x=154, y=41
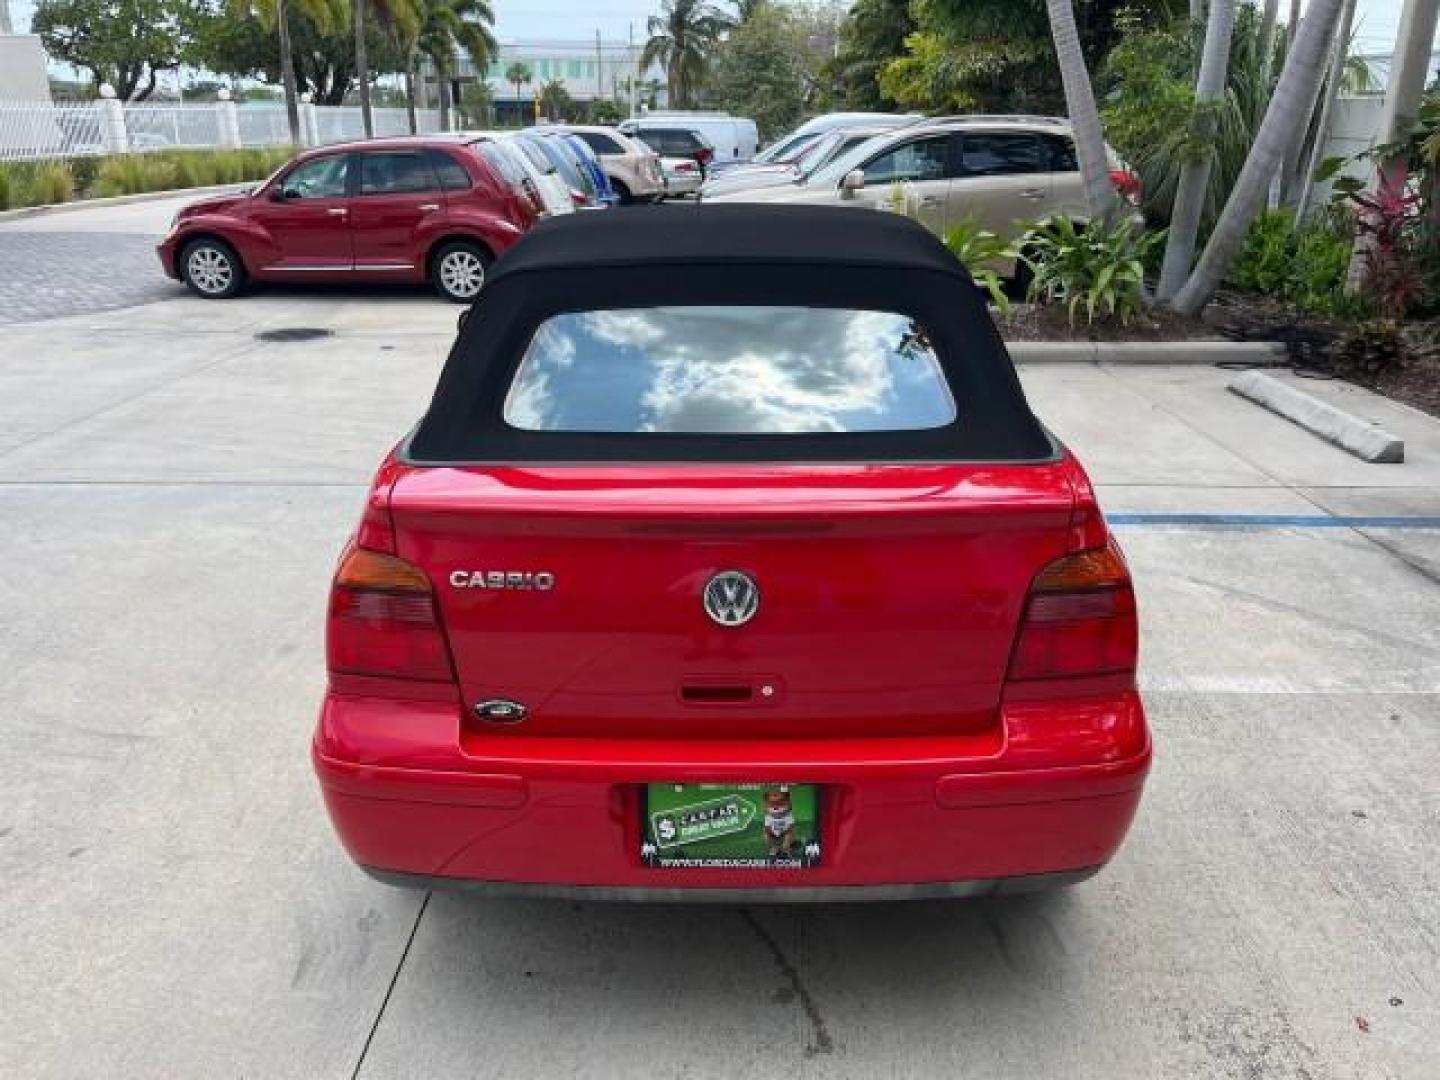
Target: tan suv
x=634, y=170
x=1001, y=171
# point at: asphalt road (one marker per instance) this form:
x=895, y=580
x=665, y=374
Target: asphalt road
x=173, y=904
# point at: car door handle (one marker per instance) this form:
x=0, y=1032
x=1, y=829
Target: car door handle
x=930, y=200
x=429, y=207
x=338, y=211
x=1032, y=193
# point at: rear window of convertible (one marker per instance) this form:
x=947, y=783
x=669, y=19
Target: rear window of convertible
x=714, y=370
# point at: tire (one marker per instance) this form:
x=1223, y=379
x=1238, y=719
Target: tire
x=622, y=191
x=458, y=270
x=211, y=269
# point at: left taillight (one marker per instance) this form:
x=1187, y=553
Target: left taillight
x=1079, y=619
x=383, y=621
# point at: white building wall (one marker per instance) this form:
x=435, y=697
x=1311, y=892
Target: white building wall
x=22, y=69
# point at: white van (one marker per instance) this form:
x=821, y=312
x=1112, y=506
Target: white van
x=734, y=138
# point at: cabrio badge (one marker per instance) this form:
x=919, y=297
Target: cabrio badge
x=731, y=598
x=537, y=580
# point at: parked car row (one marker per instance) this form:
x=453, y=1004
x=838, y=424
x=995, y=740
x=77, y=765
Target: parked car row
x=438, y=208
x=443, y=208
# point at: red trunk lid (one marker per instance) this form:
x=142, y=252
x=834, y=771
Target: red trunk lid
x=890, y=594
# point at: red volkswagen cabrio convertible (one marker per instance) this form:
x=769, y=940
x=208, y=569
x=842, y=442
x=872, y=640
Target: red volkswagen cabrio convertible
x=730, y=563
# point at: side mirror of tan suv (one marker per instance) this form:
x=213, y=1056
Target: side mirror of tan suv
x=854, y=181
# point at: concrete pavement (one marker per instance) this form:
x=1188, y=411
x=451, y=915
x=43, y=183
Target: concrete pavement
x=172, y=902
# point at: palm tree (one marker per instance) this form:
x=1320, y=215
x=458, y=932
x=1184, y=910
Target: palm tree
x=274, y=15
x=517, y=75
x=1289, y=107
x=399, y=18
x=1195, y=173
x=442, y=28
x=555, y=99
x=682, y=40
x=1080, y=103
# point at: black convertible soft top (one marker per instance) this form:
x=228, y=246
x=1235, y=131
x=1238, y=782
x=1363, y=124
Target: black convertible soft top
x=731, y=233
x=767, y=255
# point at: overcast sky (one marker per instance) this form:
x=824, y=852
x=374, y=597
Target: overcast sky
x=579, y=19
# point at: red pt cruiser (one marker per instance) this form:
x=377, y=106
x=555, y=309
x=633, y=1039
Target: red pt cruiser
x=729, y=562
x=431, y=209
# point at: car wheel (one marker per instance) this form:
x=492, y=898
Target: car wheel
x=458, y=270
x=622, y=192
x=211, y=269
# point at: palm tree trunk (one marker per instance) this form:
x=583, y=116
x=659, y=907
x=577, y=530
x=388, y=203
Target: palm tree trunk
x=362, y=67
x=1302, y=181
x=1267, y=43
x=287, y=72
x=1195, y=173
x=1296, y=89
x=443, y=78
x=1084, y=116
x=410, y=62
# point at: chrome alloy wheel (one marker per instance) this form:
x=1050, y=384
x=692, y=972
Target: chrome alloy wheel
x=209, y=270
x=462, y=273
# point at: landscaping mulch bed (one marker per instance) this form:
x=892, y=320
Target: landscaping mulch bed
x=1312, y=341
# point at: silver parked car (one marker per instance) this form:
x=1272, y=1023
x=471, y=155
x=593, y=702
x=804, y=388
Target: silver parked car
x=815, y=156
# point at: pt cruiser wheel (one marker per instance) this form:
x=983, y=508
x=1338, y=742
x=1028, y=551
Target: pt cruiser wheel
x=459, y=271
x=212, y=269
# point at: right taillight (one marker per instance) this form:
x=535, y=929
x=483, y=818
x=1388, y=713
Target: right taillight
x=1079, y=619
x=383, y=621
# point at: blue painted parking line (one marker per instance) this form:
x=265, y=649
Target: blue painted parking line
x=1296, y=521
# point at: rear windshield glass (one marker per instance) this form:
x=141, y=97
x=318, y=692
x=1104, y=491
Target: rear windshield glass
x=710, y=370
x=501, y=161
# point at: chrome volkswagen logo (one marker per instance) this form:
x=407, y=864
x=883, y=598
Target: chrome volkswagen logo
x=731, y=598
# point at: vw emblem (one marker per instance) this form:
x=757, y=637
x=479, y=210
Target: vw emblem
x=731, y=598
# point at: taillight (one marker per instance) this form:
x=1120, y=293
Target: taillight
x=530, y=195
x=1127, y=183
x=685, y=167
x=1079, y=619
x=579, y=198
x=383, y=621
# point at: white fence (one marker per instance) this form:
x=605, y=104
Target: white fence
x=40, y=130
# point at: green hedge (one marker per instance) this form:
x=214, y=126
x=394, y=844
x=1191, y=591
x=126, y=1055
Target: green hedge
x=44, y=183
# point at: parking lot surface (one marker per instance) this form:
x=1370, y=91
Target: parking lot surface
x=174, y=492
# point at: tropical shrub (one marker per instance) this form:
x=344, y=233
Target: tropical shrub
x=1265, y=262
x=1148, y=103
x=130, y=174
x=50, y=182
x=1306, y=265
x=982, y=251
x=1098, y=269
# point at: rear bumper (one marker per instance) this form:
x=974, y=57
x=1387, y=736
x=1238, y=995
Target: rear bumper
x=1051, y=792
x=779, y=894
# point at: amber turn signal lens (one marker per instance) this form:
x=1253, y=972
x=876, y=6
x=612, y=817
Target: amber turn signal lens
x=370, y=570
x=1093, y=569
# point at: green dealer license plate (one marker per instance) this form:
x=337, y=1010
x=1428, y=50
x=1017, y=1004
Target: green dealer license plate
x=731, y=826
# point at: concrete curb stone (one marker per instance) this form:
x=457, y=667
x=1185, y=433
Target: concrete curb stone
x=1145, y=352
x=1360, y=437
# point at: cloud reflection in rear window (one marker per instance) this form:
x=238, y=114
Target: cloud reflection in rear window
x=729, y=370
